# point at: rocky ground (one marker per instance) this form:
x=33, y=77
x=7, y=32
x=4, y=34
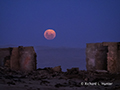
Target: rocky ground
x=55, y=79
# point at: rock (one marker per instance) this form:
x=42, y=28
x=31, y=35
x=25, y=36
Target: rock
x=38, y=88
x=73, y=83
x=11, y=83
x=57, y=69
x=48, y=69
x=102, y=71
x=25, y=85
x=59, y=85
x=73, y=71
x=2, y=81
x=86, y=79
x=17, y=79
x=44, y=82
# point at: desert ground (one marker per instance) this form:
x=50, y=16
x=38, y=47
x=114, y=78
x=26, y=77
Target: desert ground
x=54, y=79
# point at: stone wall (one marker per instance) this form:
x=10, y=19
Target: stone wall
x=103, y=56
x=18, y=58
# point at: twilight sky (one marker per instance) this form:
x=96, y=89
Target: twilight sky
x=76, y=22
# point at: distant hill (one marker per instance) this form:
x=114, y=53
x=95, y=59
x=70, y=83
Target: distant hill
x=6, y=46
x=63, y=56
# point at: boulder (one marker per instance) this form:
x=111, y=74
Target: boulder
x=57, y=69
x=73, y=71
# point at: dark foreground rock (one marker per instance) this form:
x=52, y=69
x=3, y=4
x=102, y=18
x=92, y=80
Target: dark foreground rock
x=55, y=79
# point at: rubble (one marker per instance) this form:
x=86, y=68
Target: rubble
x=44, y=78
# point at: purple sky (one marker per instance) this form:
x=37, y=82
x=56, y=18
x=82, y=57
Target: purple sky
x=76, y=22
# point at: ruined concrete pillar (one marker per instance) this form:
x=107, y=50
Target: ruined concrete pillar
x=5, y=56
x=118, y=61
x=14, y=60
x=101, y=57
x=96, y=56
x=90, y=56
x=27, y=58
x=112, y=57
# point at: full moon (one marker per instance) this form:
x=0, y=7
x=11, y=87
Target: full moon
x=49, y=34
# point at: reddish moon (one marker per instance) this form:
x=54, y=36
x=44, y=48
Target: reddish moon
x=49, y=34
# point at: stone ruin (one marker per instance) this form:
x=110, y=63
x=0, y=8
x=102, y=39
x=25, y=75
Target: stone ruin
x=18, y=58
x=99, y=56
x=103, y=56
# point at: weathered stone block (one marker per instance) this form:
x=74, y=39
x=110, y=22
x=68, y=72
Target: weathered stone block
x=101, y=58
x=96, y=56
x=118, y=61
x=14, y=60
x=4, y=55
x=27, y=58
x=90, y=56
